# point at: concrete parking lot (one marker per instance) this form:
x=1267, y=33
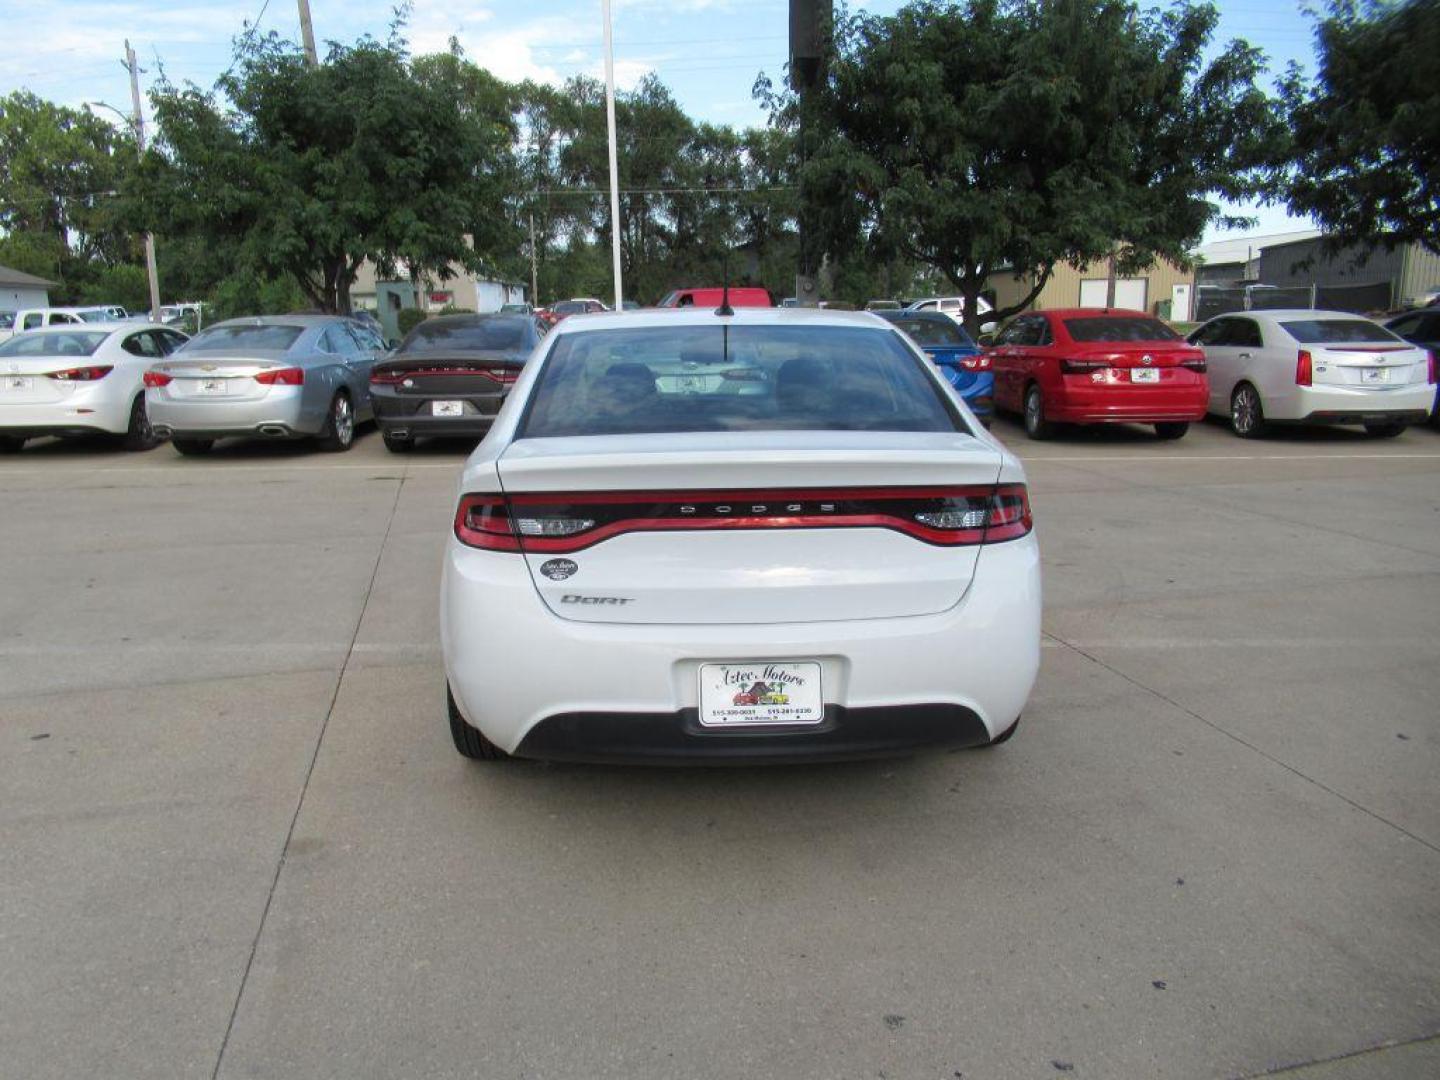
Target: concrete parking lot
x=235, y=839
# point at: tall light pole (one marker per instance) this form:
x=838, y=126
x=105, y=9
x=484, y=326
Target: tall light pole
x=614, y=155
x=307, y=34
x=138, y=119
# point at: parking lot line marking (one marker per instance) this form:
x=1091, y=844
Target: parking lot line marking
x=1094, y=458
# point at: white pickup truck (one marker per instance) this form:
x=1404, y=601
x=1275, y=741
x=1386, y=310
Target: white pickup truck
x=34, y=318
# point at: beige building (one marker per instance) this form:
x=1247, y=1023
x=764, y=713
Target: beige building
x=1162, y=289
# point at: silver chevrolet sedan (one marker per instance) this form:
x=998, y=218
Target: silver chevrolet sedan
x=275, y=377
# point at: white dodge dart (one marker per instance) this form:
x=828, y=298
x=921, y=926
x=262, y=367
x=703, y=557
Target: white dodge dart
x=80, y=379
x=773, y=534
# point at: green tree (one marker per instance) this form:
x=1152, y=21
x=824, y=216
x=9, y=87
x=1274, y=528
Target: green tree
x=1366, y=133
x=58, y=210
x=308, y=171
x=990, y=134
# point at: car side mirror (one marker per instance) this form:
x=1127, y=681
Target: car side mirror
x=985, y=340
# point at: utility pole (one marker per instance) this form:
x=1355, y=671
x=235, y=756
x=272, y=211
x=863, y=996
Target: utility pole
x=1110, y=282
x=307, y=33
x=614, y=155
x=138, y=120
x=534, y=274
x=810, y=22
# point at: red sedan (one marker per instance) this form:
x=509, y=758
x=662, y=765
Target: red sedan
x=1092, y=366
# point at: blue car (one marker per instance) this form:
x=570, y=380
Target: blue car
x=955, y=354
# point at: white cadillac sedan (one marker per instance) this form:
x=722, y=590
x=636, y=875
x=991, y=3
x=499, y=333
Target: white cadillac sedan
x=773, y=534
x=1314, y=367
x=80, y=379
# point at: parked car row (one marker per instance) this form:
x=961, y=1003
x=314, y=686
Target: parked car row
x=1258, y=368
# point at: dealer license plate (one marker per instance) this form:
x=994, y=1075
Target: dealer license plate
x=1374, y=375
x=18, y=382
x=447, y=408
x=214, y=386
x=761, y=693
x=1144, y=374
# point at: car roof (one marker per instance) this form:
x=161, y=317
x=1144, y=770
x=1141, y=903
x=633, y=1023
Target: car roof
x=1301, y=313
x=894, y=315
x=280, y=320
x=705, y=316
x=109, y=326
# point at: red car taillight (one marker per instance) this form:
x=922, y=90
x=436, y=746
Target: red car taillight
x=980, y=362
x=157, y=378
x=1195, y=363
x=285, y=376
x=1302, y=369
x=1082, y=367
x=560, y=523
x=386, y=378
x=1431, y=378
x=82, y=374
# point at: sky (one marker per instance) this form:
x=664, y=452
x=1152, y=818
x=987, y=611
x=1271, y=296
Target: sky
x=707, y=51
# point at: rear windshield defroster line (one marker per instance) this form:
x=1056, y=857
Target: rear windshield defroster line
x=1336, y=331
x=1119, y=328
x=225, y=338
x=667, y=379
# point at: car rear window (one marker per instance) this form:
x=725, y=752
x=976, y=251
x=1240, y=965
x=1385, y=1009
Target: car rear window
x=63, y=343
x=225, y=338
x=942, y=331
x=1336, y=331
x=1119, y=328
x=467, y=335
x=743, y=378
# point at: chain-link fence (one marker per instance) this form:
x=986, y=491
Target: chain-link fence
x=1373, y=296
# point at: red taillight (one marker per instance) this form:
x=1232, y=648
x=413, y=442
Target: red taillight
x=386, y=378
x=157, y=378
x=285, y=376
x=506, y=375
x=1082, y=367
x=555, y=523
x=82, y=374
x=975, y=363
x=1432, y=375
x=1194, y=363
x=483, y=521
x=1302, y=369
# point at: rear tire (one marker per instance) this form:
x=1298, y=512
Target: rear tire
x=396, y=444
x=1036, y=426
x=193, y=447
x=1247, y=415
x=338, y=434
x=11, y=444
x=139, y=435
x=1172, y=430
x=1004, y=736
x=1387, y=429
x=468, y=740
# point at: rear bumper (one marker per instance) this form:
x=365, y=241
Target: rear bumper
x=1159, y=408
x=412, y=414
x=1324, y=405
x=537, y=684
x=678, y=739
x=281, y=413
x=1322, y=418
x=108, y=414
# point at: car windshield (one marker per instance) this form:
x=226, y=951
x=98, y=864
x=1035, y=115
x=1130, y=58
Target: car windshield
x=95, y=316
x=227, y=338
x=60, y=343
x=941, y=331
x=745, y=378
x=1336, y=331
x=498, y=334
x=1119, y=328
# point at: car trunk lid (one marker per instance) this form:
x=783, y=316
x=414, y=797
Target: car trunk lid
x=1381, y=366
x=747, y=527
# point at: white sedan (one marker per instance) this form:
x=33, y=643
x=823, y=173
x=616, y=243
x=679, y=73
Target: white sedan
x=777, y=534
x=1314, y=367
x=80, y=380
